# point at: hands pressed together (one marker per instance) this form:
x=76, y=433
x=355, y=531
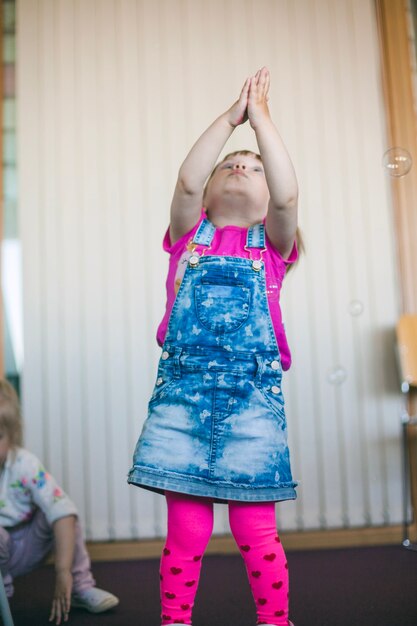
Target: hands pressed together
x=281, y=180
x=252, y=104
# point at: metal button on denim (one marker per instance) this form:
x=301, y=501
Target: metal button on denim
x=275, y=365
x=194, y=260
x=159, y=381
x=165, y=355
x=275, y=389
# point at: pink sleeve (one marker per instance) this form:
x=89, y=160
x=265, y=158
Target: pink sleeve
x=293, y=254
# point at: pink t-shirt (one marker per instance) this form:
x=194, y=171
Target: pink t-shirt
x=230, y=241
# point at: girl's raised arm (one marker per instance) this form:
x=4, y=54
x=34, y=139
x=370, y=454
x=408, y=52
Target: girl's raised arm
x=188, y=195
x=281, y=220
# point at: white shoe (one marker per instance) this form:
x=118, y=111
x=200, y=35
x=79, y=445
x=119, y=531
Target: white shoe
x=94, y=600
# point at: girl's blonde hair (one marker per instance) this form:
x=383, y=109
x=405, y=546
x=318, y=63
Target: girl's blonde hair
x=10, y=416
x=298, y=236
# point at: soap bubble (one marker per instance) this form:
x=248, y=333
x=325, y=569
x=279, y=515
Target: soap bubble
x=397, y=162
x=355, y=308
x=337, y=375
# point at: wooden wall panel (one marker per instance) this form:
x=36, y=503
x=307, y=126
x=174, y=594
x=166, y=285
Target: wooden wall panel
x=398, y=72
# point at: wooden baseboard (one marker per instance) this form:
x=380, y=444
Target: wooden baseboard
x=224, y=544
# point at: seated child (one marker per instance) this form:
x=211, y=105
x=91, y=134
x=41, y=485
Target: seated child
x=37, y=516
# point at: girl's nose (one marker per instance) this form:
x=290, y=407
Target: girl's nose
x=240, y=166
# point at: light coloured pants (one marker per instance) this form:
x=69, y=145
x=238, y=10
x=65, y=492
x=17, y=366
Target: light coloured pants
x=25, y=547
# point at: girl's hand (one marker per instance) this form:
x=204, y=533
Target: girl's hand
x=238, y=112
x=61, y=603
x=258, y=97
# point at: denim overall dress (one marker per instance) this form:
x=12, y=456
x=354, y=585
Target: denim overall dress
x=216, y=424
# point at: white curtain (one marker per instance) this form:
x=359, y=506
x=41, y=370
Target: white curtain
x=111, y=95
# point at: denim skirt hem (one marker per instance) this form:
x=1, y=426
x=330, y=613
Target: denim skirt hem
x=160, y=482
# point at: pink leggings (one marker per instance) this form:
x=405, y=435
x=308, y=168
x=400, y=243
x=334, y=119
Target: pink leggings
x=190, y=524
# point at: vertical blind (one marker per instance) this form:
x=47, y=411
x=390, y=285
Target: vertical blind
x=112, y=94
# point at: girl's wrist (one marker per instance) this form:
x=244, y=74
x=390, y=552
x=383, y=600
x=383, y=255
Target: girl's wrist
x=261, y=122
x=227, y=118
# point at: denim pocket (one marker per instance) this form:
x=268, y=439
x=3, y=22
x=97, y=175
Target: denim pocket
x=222, y=308
x=275, y=401
x=164, y=383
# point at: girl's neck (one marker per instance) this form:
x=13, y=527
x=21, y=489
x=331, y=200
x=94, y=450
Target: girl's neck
x=222, y=217
x=221, y=221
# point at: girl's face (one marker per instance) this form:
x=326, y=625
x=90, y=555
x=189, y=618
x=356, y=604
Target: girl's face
x=241, y=176
x=4, y=446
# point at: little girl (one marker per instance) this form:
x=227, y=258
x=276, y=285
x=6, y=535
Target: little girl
x=37, y=516
x=216, y=427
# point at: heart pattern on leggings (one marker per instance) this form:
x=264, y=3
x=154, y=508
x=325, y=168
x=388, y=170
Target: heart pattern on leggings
x=255, y=573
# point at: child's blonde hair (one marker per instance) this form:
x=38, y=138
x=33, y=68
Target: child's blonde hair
x=298, y=236
x=10, y=416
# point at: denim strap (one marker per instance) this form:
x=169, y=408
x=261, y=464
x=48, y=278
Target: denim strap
x=205, y=233
x=256, y=236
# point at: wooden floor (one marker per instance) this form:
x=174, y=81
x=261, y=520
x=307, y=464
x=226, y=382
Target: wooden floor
x=318, y=539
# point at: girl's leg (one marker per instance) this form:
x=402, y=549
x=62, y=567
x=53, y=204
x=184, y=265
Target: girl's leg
x=190, y=524
x=254, y=528
x=23, y=548
x=5, y=550
x=81, y=564
x=32, y=542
